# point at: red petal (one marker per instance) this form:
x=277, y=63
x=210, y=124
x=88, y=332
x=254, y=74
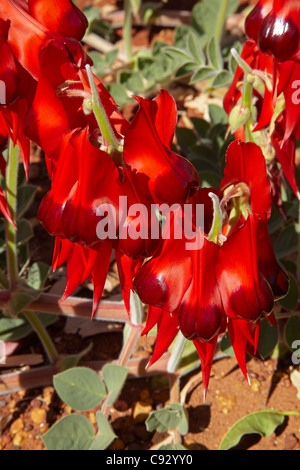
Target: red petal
x=206, y=352
x=164, y=279
x=64, y=177
x=256, y=16
x=97, y=186
x=61, y=16
x=285, y=152
x=245, y=292
x=279, y=33
x=245, y=163
x=167, y=329
x=170, y=178
x=243, y=335
x=127, y=268
x=99, y=272
x=201, y=313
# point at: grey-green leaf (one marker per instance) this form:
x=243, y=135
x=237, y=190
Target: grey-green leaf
x=105, y=434
x=38, y=274
x=114, y=377
x=72, y=432
x=292, y=331
x=290, y=301
x=169, y=418
x=260, y=422
x=80, y=387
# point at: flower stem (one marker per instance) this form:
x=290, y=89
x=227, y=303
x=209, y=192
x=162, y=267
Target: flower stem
x=221, y=20
x=100, y=114
x=11, y=196
x=127, y=29
x=12, y=249
x=176, y=353
x=43, y=335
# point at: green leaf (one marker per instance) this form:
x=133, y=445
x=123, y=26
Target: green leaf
x=268, y=338
x=171, y=417
x=194, y=48
x=105, y=434
x=26, y=195
x=206, y=15
x=72, y=432
x=226, y=346
x=262, y=422
x=222, y=79
x=172, y=447
x=132, y=81
x=37, y=275
x=99, y=63
x=217, y=114
x=179, y=55
x=14, y=329
x=114, y=377
x=21, y=297
x=202, y=73
x=119, y=94
x=111, y=56
x=24, y=231
x=80, y=387
x=292, y=331
x=287, y=241
x=214, y=54
x=186, y=69
x=290, y=301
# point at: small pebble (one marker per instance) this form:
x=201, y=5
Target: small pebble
x=38, y=415
x=141, y=412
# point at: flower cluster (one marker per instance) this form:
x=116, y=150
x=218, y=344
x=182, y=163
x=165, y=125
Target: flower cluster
x=95, y=158
x=263, y=99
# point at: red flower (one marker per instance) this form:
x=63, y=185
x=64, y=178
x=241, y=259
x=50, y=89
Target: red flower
x=61, y=16
x=275, y=27
x=83, y=179
x=147, y=150
x=234, y=277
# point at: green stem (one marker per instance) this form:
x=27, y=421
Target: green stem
x=136, y=309
x=100, y=114
x=11, y=183
x=43, y=335
x=127, y=29
x=221, y=21
x=12, y=170
x=176, y=353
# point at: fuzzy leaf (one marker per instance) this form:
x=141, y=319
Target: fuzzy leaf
x=262, y=422
x=73, y=432
x=114, y=377
x=80, y=387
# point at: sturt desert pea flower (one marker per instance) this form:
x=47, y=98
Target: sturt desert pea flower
x=234, y=278
x=27, y=36
x=61, y=16
x=147, y=151
x=274, y=25
x=21, y=40
x=273, y=89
